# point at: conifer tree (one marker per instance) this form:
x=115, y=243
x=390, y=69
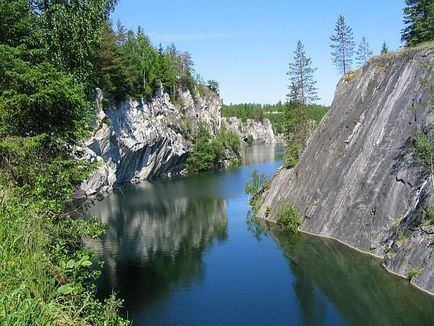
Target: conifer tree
x=419, y=18
x=302, y=84
x=363, y=52
x=384, y=48
x=342, y=44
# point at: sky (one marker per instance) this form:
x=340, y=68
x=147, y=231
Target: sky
x=246, y=45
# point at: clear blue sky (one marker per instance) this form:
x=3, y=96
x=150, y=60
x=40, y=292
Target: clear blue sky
x=246, y=45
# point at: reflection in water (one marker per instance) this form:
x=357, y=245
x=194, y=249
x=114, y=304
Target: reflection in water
x=155, y=239
x=356, y=284
x=262, y=154
x=158, y=256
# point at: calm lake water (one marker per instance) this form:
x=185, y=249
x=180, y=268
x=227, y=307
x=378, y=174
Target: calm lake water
x=183, y=252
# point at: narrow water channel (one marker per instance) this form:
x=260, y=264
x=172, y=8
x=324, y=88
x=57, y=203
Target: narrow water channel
x=182, y=251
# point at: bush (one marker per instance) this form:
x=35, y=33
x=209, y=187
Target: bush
x=429, y=216
x=255, y=187
x=423, y=148
x=291, y=156
x=289, y=218
x=414, y=272
x=209, y=153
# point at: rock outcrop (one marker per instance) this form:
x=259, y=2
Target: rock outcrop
x=251, y=130
x=358, y=180
x=138, y=140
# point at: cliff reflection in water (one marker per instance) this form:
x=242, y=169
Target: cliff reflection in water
x=156, y=236
x=364, y=294
x=258, y=154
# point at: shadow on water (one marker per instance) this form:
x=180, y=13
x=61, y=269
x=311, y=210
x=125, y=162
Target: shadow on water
x=359, y=288
x=156, y=236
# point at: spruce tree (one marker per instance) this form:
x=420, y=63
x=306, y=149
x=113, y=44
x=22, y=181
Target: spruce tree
x=419, y=18
x=302, y=84
x=384, y=48
x=342, y=44
x=363, y=52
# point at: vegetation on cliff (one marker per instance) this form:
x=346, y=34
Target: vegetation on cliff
x=213, y=152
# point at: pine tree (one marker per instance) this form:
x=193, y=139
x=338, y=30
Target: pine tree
x=419, y=18
x=302, y=85
x=342, y=44
x=384, y=48
x=363, y=52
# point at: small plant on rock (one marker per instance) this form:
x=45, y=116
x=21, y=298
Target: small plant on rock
x=414, y=272
x=289, y=218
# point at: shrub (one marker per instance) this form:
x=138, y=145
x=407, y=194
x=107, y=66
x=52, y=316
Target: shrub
x=289, y=218
x=423, y=148
x=429, y=216
x=414, y=272
x=291, y=156
x=208, y=153
x=254, y=187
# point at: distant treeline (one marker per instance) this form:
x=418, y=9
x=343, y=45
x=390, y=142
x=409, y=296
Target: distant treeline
x=276, y=113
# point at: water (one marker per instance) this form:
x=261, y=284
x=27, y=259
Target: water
x=182, y=251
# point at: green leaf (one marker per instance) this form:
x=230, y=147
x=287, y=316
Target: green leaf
x=86, y=263
x=65, y=289
x=70, y=264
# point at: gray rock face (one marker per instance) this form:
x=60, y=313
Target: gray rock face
x=261, y=130
x=138, y=140
x=358, y=180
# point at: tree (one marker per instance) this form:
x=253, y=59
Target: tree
x=384, y=48
x=71, y=32
x=363, y=52
x=302, y=91
x=214, y=86
x=302, y=85
x=419, y=18
x=16, y=20
x=342, y=44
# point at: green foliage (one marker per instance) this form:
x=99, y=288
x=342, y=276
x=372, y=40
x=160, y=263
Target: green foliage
x=255, y=187
x=288, y=218
x=292, y=155
x=342, y=44
x=71, y=32
x=45, y=273
x=384, y=48
x=47, y=67
x=39, y=99
x=419, y=18
x=302, y=86
x=209, y=153
x=364, y=52
x=213, y=86
x=423, y=148
x=429, y=216
x=414, y=272
x=16, y=22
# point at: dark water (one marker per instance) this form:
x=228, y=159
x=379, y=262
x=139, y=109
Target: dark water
x=183, y=252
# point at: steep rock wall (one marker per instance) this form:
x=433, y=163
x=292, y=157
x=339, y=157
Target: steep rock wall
x=358, y=180
x=137, y=140
x=260, y=131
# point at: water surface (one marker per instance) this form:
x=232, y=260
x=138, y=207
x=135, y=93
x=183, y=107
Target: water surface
x=182, y=251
